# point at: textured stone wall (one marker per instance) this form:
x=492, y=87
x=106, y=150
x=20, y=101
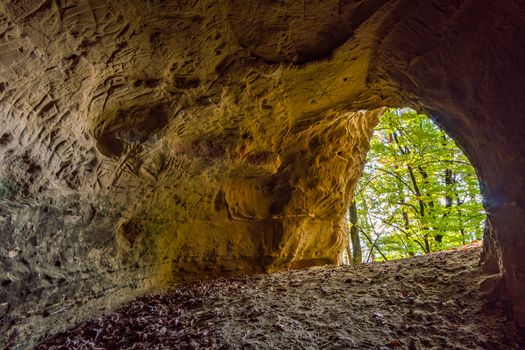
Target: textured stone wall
x=464, y=63
x=144, y=144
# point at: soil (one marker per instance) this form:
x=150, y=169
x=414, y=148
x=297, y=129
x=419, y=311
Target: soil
x=427, y=302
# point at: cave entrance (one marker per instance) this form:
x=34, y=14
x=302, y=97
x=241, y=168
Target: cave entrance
x=418, y=193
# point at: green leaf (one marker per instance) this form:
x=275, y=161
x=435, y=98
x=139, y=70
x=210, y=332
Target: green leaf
x=404, y=200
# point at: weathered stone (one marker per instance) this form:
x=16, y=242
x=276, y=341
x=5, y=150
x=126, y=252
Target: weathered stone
x=142, y=144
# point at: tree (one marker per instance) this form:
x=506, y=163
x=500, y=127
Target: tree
x=357, y=255
x=418, y=193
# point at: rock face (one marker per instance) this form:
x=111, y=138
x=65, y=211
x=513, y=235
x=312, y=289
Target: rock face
x=142, y=144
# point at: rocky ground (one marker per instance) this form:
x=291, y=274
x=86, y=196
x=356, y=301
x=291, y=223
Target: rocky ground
x=429, y=302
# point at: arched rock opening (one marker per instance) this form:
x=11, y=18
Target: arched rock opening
x=418, y=193
x=142, y=144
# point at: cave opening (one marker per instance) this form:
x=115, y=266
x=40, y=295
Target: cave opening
x=418, y=193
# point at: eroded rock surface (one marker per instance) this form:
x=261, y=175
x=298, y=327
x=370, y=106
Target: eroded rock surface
x=142, y=144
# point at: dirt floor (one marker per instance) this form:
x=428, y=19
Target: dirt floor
x=429, y=302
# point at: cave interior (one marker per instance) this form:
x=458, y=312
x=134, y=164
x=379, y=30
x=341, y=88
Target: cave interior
x=144, y=144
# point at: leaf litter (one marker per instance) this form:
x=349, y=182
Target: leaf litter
x=427, y=302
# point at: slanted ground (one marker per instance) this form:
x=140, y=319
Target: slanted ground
x=427, y=302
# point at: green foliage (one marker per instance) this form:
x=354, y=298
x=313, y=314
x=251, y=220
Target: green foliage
x=418, y=193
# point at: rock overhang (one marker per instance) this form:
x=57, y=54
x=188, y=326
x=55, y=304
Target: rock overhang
x=202, y=139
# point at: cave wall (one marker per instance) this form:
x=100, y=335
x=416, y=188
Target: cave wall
x=146, y=144
x=464, y=62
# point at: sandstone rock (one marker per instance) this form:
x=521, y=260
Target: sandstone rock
x=144, y=144
x=491, y=287
x=519, y=314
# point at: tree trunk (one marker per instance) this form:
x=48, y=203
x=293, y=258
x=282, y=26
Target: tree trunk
x=426, y=247
x=349, y=253
x=449, y=182
x=357, y=255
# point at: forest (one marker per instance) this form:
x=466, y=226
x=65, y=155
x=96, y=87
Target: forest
x=418, y=193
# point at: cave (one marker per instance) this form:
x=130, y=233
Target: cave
x=147, y=144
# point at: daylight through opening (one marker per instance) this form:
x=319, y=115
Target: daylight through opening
x=418, y=193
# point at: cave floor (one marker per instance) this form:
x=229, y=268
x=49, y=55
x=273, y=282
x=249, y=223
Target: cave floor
x=429, y=302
